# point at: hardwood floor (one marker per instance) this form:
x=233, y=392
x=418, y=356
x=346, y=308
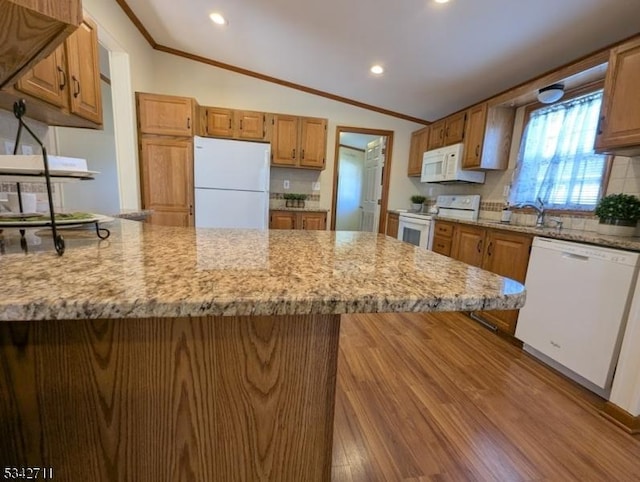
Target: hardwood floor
x=437, y=397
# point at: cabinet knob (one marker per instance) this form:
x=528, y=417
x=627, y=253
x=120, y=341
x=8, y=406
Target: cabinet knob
x=188, y=122
x=240, y=124
x=229, y=123
x=293, y=154
x=489, y=248
x=479, y=247
x=477, y=150
x=190, y=209
x=302, y=154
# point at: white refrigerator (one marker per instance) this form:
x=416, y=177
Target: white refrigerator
x=231, y=180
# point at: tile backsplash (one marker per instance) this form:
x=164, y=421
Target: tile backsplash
x=301, y=181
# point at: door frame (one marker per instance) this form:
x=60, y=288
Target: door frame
x=386, y=171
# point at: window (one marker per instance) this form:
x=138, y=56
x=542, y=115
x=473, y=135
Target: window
x=556, y=163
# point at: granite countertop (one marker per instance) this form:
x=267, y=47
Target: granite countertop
x=581, y=236
x=143, y=270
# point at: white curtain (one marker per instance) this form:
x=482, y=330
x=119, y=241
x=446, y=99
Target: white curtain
x=556, y=162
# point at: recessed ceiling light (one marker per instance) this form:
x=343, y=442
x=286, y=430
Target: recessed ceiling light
x=218, y=19
x=442, y=1
x=377, y=69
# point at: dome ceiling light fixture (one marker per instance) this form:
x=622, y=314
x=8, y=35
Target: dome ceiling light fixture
x=551, y=93
x=377, y=69
x=218, y=19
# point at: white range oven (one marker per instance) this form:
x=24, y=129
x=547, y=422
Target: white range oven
x=417, y=228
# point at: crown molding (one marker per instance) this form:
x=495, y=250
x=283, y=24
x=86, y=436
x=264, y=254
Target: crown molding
x=250, y=73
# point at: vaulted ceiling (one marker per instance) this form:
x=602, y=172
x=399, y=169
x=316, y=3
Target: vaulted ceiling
x=437, y=57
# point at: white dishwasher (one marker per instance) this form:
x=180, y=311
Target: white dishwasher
x=578, y=299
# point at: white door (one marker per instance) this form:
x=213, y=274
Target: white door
x=372, y=188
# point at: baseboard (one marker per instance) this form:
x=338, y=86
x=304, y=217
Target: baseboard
x=630, y=423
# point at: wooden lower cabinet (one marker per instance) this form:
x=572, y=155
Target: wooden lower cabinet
x=308, y=220
x=442, y=237
x=393, y=220
x=501, y=252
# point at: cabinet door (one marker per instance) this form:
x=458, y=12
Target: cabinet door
x=165, y=115
x=285, y=140
x=282, y=220
x=436, y=135
x=393, y=220
x=219, y=122
x=454, y=129
x=85, y=99
x=313, y=142
x=468, y=244
x=419, y=142
x=441, y=245
x=250, y=125
x=166, y=169
x=476, y=120
x=313, y=221
x=507, y=254
x=47, y=81
x=619, y=129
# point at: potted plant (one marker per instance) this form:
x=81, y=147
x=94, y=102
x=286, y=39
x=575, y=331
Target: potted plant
x=417, y=202
x=290, y=199
x=300, y=198
x=619, y=214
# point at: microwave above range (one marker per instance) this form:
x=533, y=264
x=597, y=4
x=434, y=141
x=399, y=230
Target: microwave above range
x=445, y=165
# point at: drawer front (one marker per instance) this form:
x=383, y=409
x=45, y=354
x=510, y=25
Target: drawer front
x=443, y=230
x=441, y=245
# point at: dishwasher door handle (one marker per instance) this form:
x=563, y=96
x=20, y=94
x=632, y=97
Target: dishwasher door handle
x=578, y=257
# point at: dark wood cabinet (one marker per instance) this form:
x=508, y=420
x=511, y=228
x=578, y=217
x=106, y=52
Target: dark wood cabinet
x=488, y=139
x=442, y=237
x=419, y=142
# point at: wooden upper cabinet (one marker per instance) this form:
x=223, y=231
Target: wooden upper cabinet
x=234, y=124
x=454, y=128
x=84, y=72
x=468, y=244
x=250, y=125
x=48, y=79
x=30, y=30
x=299, y=141
x=166, y=171
x=219, y=122
x=488, y=137
x=64, y=88
x=619, y=129
x=419, y=142
x=285, y=140
x=165, y=114
x=313, y=142
x=447, y=131
x=436, y=135
x=477, y=118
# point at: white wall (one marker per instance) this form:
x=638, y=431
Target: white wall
x=218, y=87
x=98, y=147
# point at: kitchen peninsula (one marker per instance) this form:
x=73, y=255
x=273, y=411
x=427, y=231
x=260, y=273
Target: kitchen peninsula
x=181, y=354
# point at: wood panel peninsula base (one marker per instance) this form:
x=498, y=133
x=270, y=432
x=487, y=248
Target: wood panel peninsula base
x=181, y=399
x=183, y=354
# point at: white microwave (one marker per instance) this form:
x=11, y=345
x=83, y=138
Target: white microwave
x=445, y=165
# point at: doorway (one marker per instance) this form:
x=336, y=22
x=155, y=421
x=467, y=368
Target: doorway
x=362, y=162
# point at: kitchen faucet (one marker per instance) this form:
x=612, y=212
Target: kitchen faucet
x=539, y=208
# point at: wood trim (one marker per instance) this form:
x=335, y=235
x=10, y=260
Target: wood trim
x=622, y=418
x=386, y=172
x=105, y=79
x=257, y=75
x=136, y=21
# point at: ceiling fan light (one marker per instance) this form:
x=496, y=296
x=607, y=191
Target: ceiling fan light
x=551, y=93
